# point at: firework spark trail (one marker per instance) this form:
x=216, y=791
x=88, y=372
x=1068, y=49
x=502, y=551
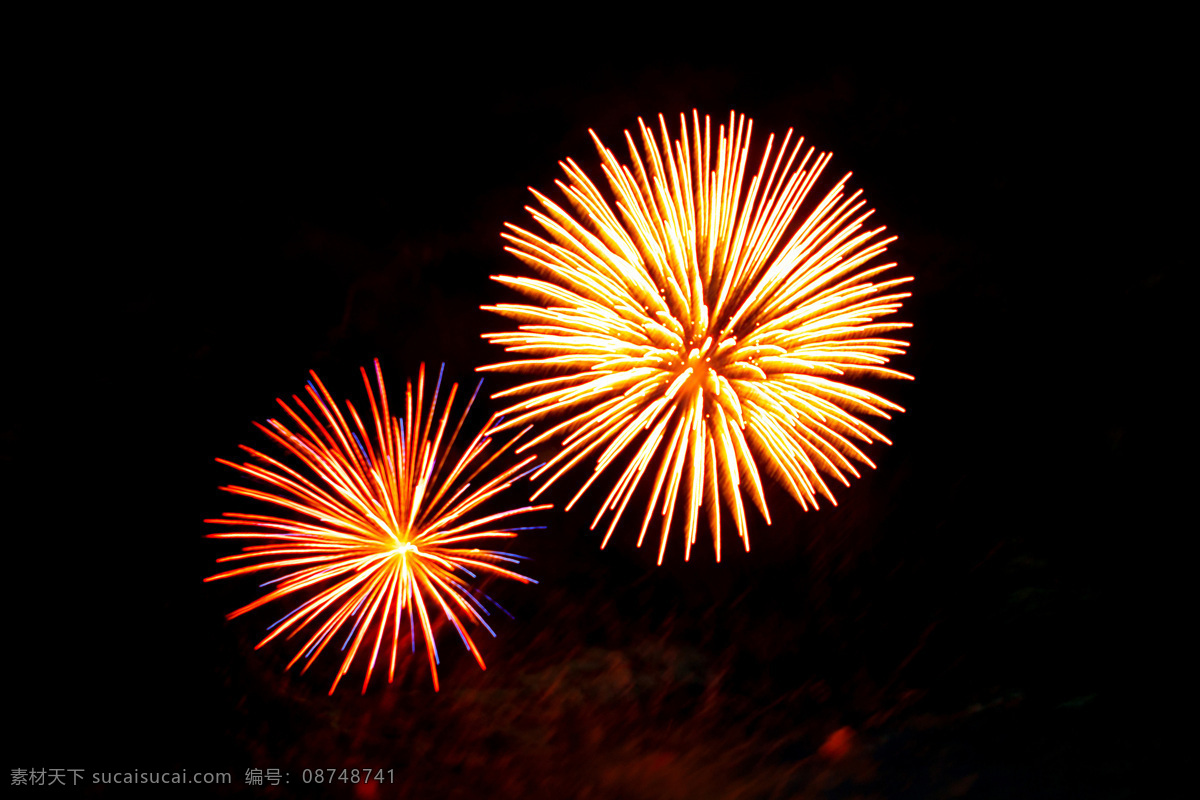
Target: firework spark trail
x=708, y=323
x=381, y=530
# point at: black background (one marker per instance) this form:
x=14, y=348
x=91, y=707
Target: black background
x=212, y=210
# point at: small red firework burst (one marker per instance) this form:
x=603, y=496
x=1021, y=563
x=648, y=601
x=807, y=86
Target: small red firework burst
x=379, y=524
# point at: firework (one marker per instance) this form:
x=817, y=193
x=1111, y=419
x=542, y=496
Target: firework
x=711, y=326
x=380, y=524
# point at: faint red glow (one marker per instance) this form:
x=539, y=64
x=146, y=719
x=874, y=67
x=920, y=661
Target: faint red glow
x=838, y=745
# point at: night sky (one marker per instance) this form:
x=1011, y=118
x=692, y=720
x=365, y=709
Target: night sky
x=995, y=611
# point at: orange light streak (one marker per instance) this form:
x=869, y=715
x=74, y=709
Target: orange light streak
x=715, y=324
x=381, y=532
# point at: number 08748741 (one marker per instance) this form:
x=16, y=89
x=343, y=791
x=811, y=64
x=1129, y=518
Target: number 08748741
x=348, y=775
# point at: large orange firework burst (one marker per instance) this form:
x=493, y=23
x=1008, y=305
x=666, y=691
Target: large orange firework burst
x=709, y=324
x=381, y=524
